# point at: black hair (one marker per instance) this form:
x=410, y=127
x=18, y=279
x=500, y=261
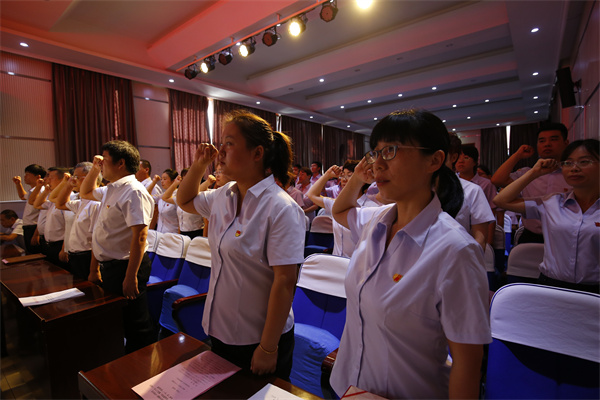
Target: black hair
x=297, y=166
x=423, y=129
x=471, y=151
x=319, y=164
x=277, y=146
x=60, y=171
x=591, y=145
x=146, y=164
x=36, y=169
x=184, y=172
x=554, y=126
x=455, y=144
x=9, y=214
x=350, y=165
x=171, y=173
x=306, y=170
x=122, y=150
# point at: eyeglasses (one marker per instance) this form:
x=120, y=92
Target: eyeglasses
x=579, y=164
x=387, y=153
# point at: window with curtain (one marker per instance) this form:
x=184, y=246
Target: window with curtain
x=188, y=116
x=493, y=147
x=306, y=140
x=90, y=109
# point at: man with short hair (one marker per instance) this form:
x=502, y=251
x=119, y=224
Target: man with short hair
x=11, y=230
x=33, y=172
x=551, y=142
x=120, y=233
x=144, y=175
x=315, y=168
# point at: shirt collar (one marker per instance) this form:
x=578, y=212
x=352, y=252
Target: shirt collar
x=123, y=181
x=568, y=200
x=255, y=190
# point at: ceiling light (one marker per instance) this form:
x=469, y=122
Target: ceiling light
x=171, y=80
x=321, y=80
x=535, y=73
x=497, y=124
x=453, y=129
x=329, y=11
x=208, y=64
x=270, y=37
x=444, y=121
x=368, y=101
x=468, y=117
x=24, y=44
x=453, y=105
x=11, y=73
x=341, y=106
x=225, y=57
x=311, y=117
x=434, y=88
x=375, y=119
x=535, y=112
x=535, y=97
x=258, y=102
x=347, y=126
x=487, y=100
x=247, y=47
x=191, y=71
x=147, y=98
x=534, y=30
x=364, y=4
x=297, y=25
x=399, y=94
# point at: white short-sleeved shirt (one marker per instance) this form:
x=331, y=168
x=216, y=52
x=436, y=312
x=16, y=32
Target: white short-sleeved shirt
x=30, y=213
x=475, y=208
x=571, y=238
x=80, y=238
x=343, y=245
x=296, y=194
x=54, y=230
x=167, y=217
x=268, y=231
x=553, y=182
x=124, y=203
x=489, y=190
x=16, y=228
x=333, y=191
x=405, y=302
x=41, y=225
x=188, y=222
x=157, y=192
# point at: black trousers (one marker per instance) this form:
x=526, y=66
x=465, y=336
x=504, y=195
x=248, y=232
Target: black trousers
x=79, y=263
x=242, y=355
x=531, y=237
x=193, y=234
x=52, y=250
x=28, y=231
x=138, y=327
x=545, y=280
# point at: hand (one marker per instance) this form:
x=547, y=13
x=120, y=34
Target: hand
x=95, y=276
x=333, y=172
x=211, y=179
x=63, y=256
x=66, y=177
x=130, y=288
x=205, y=153
x=73, y=181
x=17, y=179
x=364, y=172
x=156, y=179
x=97, y=163
x=525, y=151
x=35, y=240
x=40, y=182
x=544, y=166
x=263, y=363
x=177, y=180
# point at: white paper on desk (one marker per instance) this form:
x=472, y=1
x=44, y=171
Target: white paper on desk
x=50, y=297
x=272, y=392
x=187, y=380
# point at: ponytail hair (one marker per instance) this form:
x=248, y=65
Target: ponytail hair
x=278, y=155
x=171, y=173
x=421, y=128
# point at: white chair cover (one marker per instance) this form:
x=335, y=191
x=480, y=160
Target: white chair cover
x=173, y=245
x=198, y=252
x=488, y=257
x=559, y=320
x=524, y=260
x=322, y=224
x=324, y=273
x=152, y=240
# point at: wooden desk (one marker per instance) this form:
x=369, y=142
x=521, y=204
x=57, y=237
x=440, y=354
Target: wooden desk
x=78, y=333
x=115, y=379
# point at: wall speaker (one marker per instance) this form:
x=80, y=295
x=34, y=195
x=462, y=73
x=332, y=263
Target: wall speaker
x=565, y=87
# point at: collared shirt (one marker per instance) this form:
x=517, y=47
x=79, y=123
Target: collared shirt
x=124, y=203
x=80, y=238
x=297, y=195
x=16, y=228
x=343, y=245
x=55, y=222
x=269, y=231
x=41, y=225
x=475, y=208
x=188, y=222
x=405, y=302
x=489, y=190
x=30, y=213
x=167, y=217
x=156, y=192
x=333, y=191
x=553, y=182
x=571, y=238
x=313, y=179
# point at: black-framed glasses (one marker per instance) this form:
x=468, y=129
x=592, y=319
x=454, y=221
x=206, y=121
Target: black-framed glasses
x=387, y=153
x=580, y=164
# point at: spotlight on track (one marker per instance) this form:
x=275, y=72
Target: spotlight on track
x=270, y=37
x=329, y=11
x=247, y=47
x=191, y=71
x=208, y=64
x=225, y=57
x=297, y=25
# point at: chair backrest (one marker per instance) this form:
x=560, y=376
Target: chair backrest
x=546, y=343
x=320, y=298
x=322, y=224
x=524, y=260
x=170, y=253
x=518, y=234
x=152, y=240
x=195, y=271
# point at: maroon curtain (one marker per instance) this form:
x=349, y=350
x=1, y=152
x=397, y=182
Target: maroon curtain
x=493, y=147
x=306, y=139
x=188, y=116
x=90, y=109
x=222, y=108
x=341, y=145
x=524, y=134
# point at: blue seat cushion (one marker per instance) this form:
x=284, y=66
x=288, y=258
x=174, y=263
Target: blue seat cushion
x=173, y=293
x=154, y=279
x=311, y=346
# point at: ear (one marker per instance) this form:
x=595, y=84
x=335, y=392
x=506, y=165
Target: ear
x=436, y=161
x=121, y=164
x=258, y=153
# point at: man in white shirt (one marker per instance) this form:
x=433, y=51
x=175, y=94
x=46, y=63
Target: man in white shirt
x=11, y=230
x=119, y=237
x=33, y=172
x=144, y=175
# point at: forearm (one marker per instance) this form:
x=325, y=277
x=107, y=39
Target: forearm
x=136, y=252
x=346, y=200
x=20, y=190
x=480, y=233
x=465, y=373
x=64, y=196
x=280, y=302
x=56, y=192
x=39, y=200
x=168, y=194
x=508, y=198
x=502, y=175
x=190, y=186
x=150, y=187
x=86, y=191
x=314, y=193
x=310, y=209
x=34, y=195
x=8, y=238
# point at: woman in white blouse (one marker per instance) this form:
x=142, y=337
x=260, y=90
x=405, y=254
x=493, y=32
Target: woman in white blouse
x=167, y=212
x=256, y=232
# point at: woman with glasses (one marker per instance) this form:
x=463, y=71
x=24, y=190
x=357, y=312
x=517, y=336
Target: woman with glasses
x=570, y=220
x=256, y=235
x=416, y=288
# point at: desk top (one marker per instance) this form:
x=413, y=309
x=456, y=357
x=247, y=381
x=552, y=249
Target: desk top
x=115, y=379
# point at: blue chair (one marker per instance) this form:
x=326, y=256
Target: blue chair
x=193, y=280
x=320, y=314
x=320, y=237
x=166, y=268
x=152, y=240
x=546, y=344
x=523, y=263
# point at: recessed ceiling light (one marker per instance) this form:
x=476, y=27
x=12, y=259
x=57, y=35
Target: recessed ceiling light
x=497, y=124
x=453, y=129
x=11, y=73
x=321, y=80
x=341, y=106
x=347, y=126
x=535, y=112
x=258, y=102
x=535, y=74
x=534, y=30
x=171, y=80
x=535, y=97
x=444, y=121
x=399, y=94
x=311, y=117
x=434, y=88
x=24, y=44
x=487, y=100
x=147, y=98
x=364, y=4
x=368, y=101
x=468, y=117
x=453, y=105
x=375, y=119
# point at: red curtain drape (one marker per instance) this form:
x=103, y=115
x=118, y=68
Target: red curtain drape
x=524, y=134
x=306, y=139
x=493, y=147
x=90, y=109
x=188, y=117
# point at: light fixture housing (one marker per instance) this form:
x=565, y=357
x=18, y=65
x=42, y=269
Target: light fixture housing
x=225, y=56
x=329, y=11
x=208, y=64
x=247, y=47
x=270, y=37
x=297, y=25
x=191, y=71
